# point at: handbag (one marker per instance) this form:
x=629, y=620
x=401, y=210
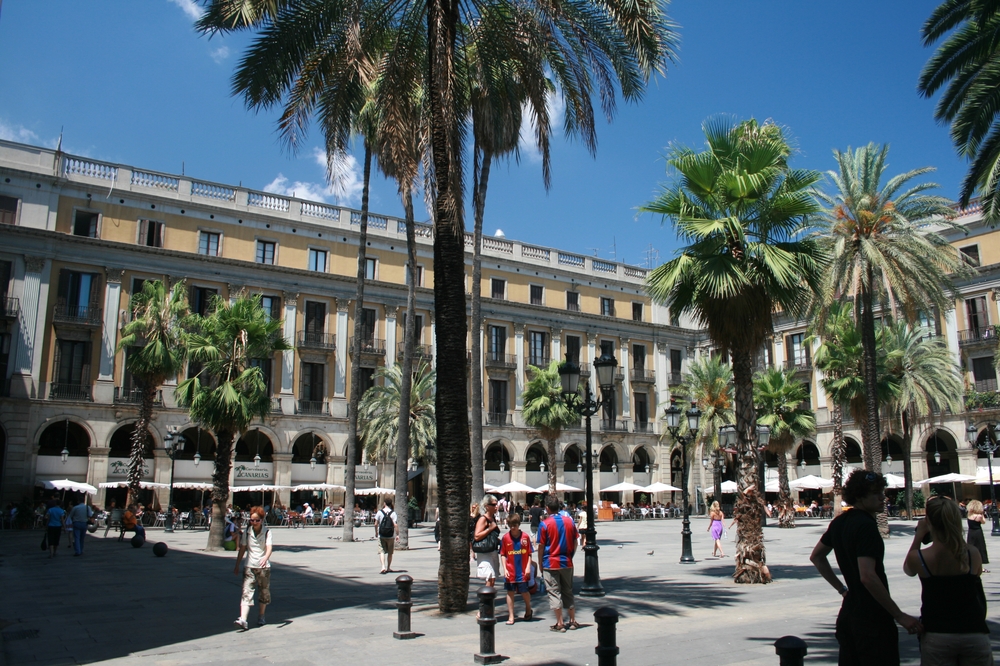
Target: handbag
x=489, y=543
x=45, y=541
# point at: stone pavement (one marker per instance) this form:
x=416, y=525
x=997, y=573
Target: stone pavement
x=122, y=605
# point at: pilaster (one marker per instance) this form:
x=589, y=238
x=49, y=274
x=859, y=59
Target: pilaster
x=290, y=303
x=340, y=377
x=390, y=334
x=519, y=377
x=31, y=328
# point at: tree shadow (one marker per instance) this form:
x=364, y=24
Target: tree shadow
x=778, y=571
x=822, y=645
x=648, y=595
x=299, y=549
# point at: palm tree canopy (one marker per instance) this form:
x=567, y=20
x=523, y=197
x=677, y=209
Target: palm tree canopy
x=229, y=392
x=780, y=397
x=154, y=336
x=709, y=383
x=378, y=415
x=926, y=377
x=545, y=407
x=880, y=237
x=746, y=218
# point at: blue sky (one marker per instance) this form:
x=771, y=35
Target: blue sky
x=132, y=82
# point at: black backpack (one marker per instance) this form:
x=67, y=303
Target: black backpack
x=386, y=528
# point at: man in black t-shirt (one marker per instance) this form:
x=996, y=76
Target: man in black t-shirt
x=536, y=512
x=865, y=626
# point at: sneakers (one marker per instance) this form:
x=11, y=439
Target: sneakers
x=241, y=624
x=260, y=621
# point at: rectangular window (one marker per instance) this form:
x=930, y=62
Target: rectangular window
x=420, y=276
x=984, y=374
x=637, y=312
x=8, y=210
x=573, y=348
x=675, y=361
x=538, y=349
x=272, y=306
x=418, y=321
x=265, y=368
x=367, y=379
x=607, y=347
x=607, y=307
x=498, y=342
x=641, y=412
x=498, y=397
x=265, y=252
x=498, y=289
x=971, y=254
x=537, y=295
x=311, y=385
x=208, y=244
x=72, y=363
x=573, y=301
x=639, y=357
x=78, y=294
x=370, y=265
x=975, y=312
x=315, y=317
x=368, y=318
x=150, y=233
x=201, y=300
x=798, y=351
x=85, y=223
x=317, y=260
x=6, y=270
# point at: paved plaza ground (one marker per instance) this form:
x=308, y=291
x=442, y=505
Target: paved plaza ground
x=120, y=605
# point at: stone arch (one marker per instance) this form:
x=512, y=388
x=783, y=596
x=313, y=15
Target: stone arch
x=497, y=451
x=573, y=457
x=197, y=440
x=608, y=459
x=310, y=443
x=68, y=433
x=535, y=457
x=892, y=445
x=254, y=442
x=941, y=442
x=807, y=451
x=853, y=454
x=82, y=423
x=120, y=442
x=641, y=461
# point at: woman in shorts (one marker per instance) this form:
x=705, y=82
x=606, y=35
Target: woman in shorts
x=487, y=563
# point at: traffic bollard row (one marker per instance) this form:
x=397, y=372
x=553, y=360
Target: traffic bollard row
x=487, y=628
x=791, y=650
x=403, y=585
x=607, y=649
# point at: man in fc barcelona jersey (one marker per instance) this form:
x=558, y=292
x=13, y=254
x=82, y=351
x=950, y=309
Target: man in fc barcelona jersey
x=515, y=551
x=557, y=536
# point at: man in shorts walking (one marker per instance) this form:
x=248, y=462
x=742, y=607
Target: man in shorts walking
x=256, y=543
x=866, y=624
x=387, y=530
x=557, y=536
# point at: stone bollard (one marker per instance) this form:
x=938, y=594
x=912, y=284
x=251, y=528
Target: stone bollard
x=607, y=650
x=403, y=603
x=487, y=628
x=791, y=650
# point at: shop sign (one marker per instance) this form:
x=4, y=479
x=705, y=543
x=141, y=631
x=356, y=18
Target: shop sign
x=253, y=473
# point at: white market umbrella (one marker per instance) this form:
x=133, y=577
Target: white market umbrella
x=489, y=488
x=661, y=488
x=263, y=488
x=810, y=482
x=947, y=478
x=560, y=488
x=193, y=485
x=66, y=484
x=895, y=481
x=314, y=487
x=375, y=491
x=983, y=476
x=772, y=486
x=142, y=484
x=622, y=487
x=728, y=487
x=515, y=487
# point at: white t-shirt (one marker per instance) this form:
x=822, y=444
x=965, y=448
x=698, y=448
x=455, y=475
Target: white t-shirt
x=256, y=545
x=378, y=518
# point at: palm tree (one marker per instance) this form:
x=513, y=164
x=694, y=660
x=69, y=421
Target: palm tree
x=545, y=408
x=884, y=254
x=229, y=392
x=966, y=64
x=378, y=416
x=779, y=397
x=745, y=214
x=155, y=350
x=927, y=381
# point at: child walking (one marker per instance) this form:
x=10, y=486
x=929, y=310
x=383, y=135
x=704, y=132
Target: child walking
x=515, y=551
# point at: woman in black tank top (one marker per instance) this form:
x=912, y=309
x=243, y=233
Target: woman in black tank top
x=953, y=610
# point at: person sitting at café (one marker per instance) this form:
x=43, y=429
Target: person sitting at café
x=307, y=513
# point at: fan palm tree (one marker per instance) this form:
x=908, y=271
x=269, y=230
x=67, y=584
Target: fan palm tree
x=927, y=382
x=745, y=214
x=378, y=415
x=155, y=350
x=545, y=408
x=967, y=66
x=883, y=254
x=229, y=391
x=779, y=397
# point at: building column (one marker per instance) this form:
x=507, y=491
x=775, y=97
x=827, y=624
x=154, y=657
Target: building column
x=434, y=340
x=779, y=351
x=818, y=389
x=557, y=344
x=390, y=335
x=104, y=387
x=591, y=355
x=626, y=385
x=519, y=377
x=482, y=363
x=340, y=379
x=31, y=328
x=951, y=335
x=283, y=475
x=290, y=300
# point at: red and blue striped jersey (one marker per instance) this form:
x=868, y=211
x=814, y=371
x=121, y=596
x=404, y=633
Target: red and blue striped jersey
x=557, y=536
x=517, y=558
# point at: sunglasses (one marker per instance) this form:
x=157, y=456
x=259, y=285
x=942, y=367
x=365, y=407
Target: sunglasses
x=254, y=520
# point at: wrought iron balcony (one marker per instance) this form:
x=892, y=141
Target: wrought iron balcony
x=317, y=340
x=500, y=419
x=539, y=361
x=370, y=346
x=981, y=335
x=318, y=407
x=644, y=426
x=276, y=405
x=498, y=360
x=619, y=374
x=643, y=376
x=984, y=385
x=69, y=392
x=82, y=315
x=674, y=379
x=133, y=396
x=616, y=425
x=419, y=351
x=9, y=307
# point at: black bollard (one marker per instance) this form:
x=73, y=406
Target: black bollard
x=607, y=650
x=403, y=585
x=487, y=628
x=791, y=650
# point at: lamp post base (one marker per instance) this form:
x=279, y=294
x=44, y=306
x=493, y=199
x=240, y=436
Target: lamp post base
x=686, y=556
x=591, y=572
x=996, y=522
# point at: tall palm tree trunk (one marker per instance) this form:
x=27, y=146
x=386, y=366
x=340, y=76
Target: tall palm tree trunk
x=451, y=401
x=139, y=438
x=359, y=302
x=837, y=453
x=551, y=469
x=750, y=558
x=480, y=180
x=870, y=435
x=786, y=515
x=220, y=488
x=406, y=381
x=907, y=458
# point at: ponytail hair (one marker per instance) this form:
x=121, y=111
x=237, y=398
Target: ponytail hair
x=945, y=520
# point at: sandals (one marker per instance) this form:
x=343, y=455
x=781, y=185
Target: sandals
x=573, y=625
x=510, y=621
x=527, y=615
x=558, y=628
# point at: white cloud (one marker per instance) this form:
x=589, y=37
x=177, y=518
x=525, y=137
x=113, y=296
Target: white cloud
x=346, y=189
x=190, y=7
x=527, y=144
x=17, y=133
x=220, y=54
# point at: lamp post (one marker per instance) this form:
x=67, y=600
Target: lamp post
x=989, y=446
x=673, y=416
x=587, y=406
x=174, y=444
x=727, y=441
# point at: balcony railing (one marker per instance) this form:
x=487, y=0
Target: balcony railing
x=539, y=361
x=318, y=407
x=573, y=307
x=499, y=419
x=585, y=370
x=977, y=335
x=619, y=374
x=86, y=315
x=644, y=426
x=617, y=425
x=674, y=379
x=644, y=376
x=370, y=346
x=69, y=392
x=276, y=405
x=498, y=360
x=419, y=351
x=984, y=385
x=317, y=340
x=9, y=307
x=802, y=366
x=133, y=396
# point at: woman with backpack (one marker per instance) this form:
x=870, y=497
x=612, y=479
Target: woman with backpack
x=387, y=532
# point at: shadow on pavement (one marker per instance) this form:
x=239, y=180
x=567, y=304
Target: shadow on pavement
x=823, y=647
x=651, y=596
x=778, y=571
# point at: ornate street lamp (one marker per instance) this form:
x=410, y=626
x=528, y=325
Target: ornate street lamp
x=989, y=446
x=64, y=454
x=174, y=444
x=587, y=406
x=673, y=418
x=727, y=441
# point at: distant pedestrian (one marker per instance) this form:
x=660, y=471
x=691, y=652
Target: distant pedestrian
x=486, y=541
x=80, y=516
x=865, y=626
x=953, y=610
x=536, y=512
x=53, y=526
x=716, y=527
x=515, y=553
x=976, y=518
x=231, y=533
x=387, y=531
x=256, y=543
x=437, y=527
x=556, y=546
